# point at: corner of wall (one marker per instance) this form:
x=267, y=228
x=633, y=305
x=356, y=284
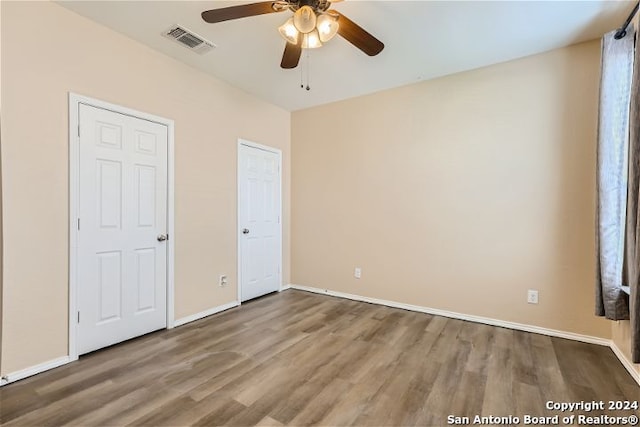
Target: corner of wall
x=621, y=346
x=1, y=239
x=1, y=252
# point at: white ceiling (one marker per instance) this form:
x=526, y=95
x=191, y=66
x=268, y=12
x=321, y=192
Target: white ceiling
x=423, y=40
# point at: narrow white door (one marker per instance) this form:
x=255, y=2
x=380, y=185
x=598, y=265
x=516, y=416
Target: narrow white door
x=122, y=251
x=259, y=221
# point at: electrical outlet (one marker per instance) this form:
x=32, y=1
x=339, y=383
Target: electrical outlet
x=357, y=273
x=223, y=281
x=532, y=296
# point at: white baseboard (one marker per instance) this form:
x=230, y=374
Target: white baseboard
x=485, y=320
x=33, y=370
x=635, y=374
x=460, y=316
x=205, y=313
x=15, y=376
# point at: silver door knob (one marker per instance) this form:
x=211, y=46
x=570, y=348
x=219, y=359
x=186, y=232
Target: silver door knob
x=162, y=237
x=245, y=231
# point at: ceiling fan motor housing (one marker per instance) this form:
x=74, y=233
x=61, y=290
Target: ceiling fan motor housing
x=318, y=6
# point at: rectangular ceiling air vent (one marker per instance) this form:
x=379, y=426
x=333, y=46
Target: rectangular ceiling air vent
x=188, y=39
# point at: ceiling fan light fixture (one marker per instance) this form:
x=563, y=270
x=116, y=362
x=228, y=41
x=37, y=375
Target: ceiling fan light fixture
x=305, y=19
x=311, y=40
x=327, y=27
x=289, y=32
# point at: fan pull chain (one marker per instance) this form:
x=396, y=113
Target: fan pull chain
x=308, y=68
x=304, y=71
x=301, y=74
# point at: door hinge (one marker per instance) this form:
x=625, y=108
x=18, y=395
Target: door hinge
x=78, y=131
x=78, y=224
x=78, y=317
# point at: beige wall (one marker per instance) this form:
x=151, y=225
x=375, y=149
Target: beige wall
x=1, y=240
x=458, y=193
x=621, y=336
x=48, y=51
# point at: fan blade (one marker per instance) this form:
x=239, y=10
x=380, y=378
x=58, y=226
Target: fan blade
x=236, y=12
x=291, y=55
x=357, y=36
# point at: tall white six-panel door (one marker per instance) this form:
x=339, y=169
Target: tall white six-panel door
x=122, y=257
x=259, y=221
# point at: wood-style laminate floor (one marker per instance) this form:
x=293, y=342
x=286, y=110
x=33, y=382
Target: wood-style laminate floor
x=297, y=358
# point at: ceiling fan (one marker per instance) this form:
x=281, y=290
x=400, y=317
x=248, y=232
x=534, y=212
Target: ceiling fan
x=311, y=25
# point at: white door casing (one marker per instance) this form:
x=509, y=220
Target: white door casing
x=119, y=268
x=259, y=220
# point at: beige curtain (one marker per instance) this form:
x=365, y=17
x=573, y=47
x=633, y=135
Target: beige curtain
x=613, y=142
x=618, y=230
